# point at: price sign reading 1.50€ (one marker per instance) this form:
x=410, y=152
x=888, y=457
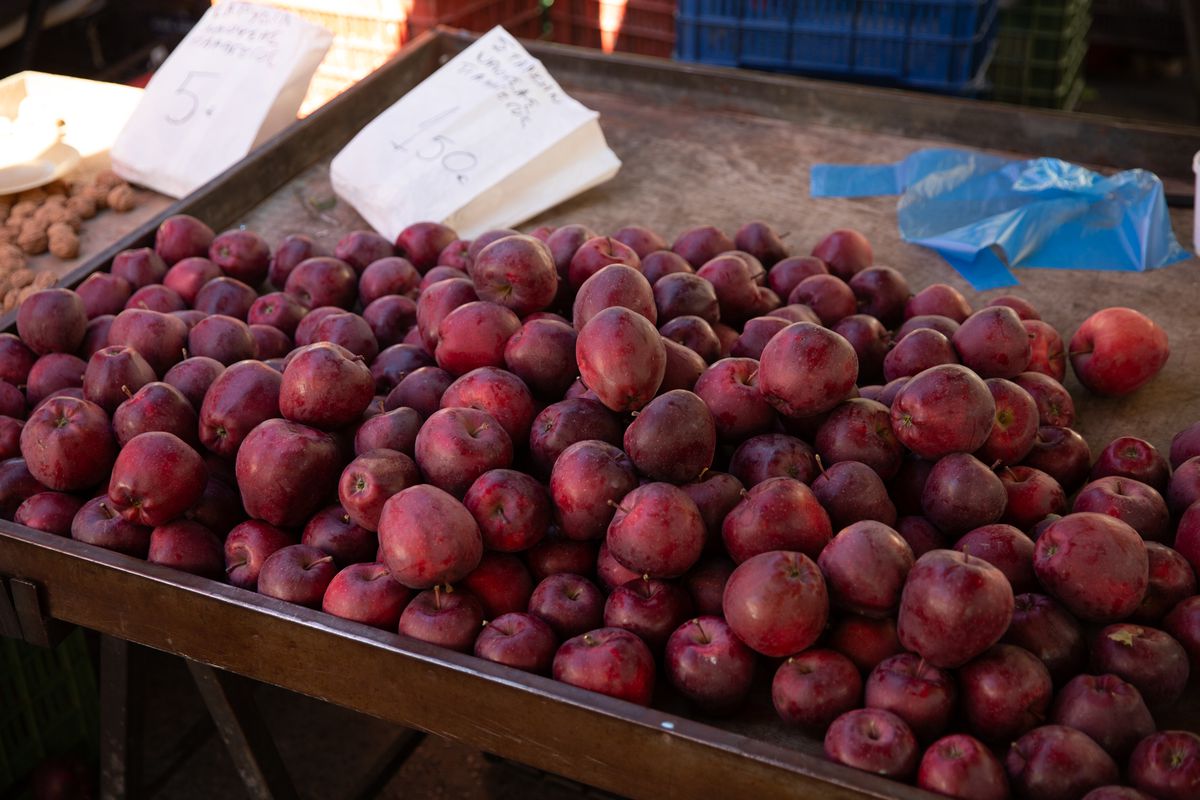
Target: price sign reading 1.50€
x=488, y=140
x=237, y=78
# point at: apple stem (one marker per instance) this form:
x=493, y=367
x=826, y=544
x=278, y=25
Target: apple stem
x=125, y=391
x=820, y=464
x=613, y=503
x=703, y=633
x=996, y=464
x=382, y=407
x=920, y=668
x=703, y=472
x=232, y=567
x=107, y=511
x=437, y=597
x=184, y=351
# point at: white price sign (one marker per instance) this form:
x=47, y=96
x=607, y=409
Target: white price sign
x=236, y=79
x=487, y=141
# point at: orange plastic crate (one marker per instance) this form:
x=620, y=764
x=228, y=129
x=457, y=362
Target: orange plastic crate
x=646, y=27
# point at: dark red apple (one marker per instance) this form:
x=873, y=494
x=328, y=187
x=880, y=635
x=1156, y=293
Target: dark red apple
x=239, y=399
x=938, y=299
x=187, y=546
x=112, y=374
x=919, y=693
x=1044, y=628
x=873, y=740
x=286, y=471
x=813, y=688
x=610, y=661
x=512, y=509
x=1048, y=355
x=852, y=492
x=698, y=245
x=786, y=274
x=1004, y=693
x=708, y=665
x=104, y=293
x=290, y=252
x=846, y=251
x=865, y=566
x=325, y=386
x=178, y=237
x=953, y=608
x=1116, y=351
x=68, y=445
x=961, y=766
x=652, y=609
x=518, y=640
x=1093, y=564
x=865, y=641
x=542, y=354
x=1107, y=709
x=97, y=523
x=1062, y=454
x=1146, y=657
x=773, y=455
x=1167, y=765
x=51, y=512
x=621, y=358
x=657, y=530
x=442, y=617
x=806, y=370
x=1054, y=761
x=246, y=548
x=366, y=593
x=562, y=424
x=569, y=604
x=427, y=537
x=776, y=603
x=945, y=409
x=159, y=338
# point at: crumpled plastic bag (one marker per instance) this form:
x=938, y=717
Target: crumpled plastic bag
x=985, y=214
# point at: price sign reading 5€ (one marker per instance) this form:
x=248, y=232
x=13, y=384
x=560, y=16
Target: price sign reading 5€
x=488, y=140
x=237, y=78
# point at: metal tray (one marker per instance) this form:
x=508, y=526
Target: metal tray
x=700, y=145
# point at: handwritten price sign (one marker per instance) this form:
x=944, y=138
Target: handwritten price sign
x=489, y=140
x=236, y=79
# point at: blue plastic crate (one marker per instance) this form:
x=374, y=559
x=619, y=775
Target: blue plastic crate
x=943, y=45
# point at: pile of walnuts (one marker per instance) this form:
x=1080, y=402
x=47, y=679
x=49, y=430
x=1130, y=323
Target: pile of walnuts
x=49, y=219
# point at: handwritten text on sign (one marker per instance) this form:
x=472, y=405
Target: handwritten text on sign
x=235, y=79
x=466, y=130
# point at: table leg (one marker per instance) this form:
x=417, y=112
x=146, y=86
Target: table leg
x=36, y=627
x=386, y=765
x=10, y=626
x=121, y=719
x=230, y=702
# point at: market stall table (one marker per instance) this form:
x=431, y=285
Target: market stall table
x=699, y=146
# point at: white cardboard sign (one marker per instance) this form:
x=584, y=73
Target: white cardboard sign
x=487, y=141
x=236, y=79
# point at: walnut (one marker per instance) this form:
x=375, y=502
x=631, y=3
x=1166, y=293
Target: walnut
x=44, y=280
x=11, y=258
x=24, y=293
x=34, y=225
x=121, y=198
x=32, y=240
x=21, y=278
x=56, y=189
x=4, y=209
x=22, y=210
x=9, y=234
x=32, y=195
x=98, y=196
x=63, y=241
x=55, y=201
x=82, y=206
x=107, y=180
x=10, y=299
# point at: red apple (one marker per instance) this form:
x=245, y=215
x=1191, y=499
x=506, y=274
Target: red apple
x=1116, y=351
x=610, y=661
x=776, y=603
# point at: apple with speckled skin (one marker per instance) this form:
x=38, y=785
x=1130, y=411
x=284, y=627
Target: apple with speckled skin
x=611, y=661
x=1116, y=351
x=953, y=608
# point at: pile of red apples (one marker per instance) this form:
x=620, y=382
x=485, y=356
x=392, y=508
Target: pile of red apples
x=648, y=469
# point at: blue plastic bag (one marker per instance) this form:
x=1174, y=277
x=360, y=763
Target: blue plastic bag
x=1042, y=213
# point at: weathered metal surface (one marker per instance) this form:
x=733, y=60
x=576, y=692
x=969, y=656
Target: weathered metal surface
x=699, y=146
